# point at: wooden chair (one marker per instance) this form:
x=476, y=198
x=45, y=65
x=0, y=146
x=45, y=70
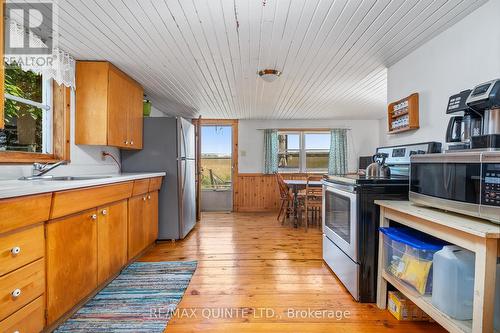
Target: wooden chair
x=286, y=198
x=313, y=200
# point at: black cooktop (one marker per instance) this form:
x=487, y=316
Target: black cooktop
x=355, y=179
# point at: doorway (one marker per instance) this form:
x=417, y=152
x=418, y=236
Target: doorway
x=216, y=168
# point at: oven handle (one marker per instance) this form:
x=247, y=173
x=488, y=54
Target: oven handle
x=341, y=187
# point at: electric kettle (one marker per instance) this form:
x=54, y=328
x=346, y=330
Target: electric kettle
x=378, y=169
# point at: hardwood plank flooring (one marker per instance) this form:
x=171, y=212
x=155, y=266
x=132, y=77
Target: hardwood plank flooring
x=255, y=275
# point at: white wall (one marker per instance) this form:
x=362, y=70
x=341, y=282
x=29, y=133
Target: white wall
x=466, y=54
x=84, y=159
x=363, y=139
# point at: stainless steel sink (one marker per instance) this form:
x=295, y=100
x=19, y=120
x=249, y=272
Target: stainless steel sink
x=63, y=178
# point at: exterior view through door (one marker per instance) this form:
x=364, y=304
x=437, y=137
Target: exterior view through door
x=216, y=168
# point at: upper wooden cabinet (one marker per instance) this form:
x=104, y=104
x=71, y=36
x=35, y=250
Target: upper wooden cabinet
x=108, y=106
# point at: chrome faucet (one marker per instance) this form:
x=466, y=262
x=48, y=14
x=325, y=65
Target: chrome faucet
x=39, y=169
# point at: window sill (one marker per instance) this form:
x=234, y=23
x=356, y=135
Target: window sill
x=14, y=157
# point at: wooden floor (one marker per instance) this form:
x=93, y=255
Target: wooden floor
x=255, y=275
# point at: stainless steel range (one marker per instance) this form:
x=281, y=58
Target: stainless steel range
x=351, y=219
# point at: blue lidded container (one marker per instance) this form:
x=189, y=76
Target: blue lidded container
x=409, y=255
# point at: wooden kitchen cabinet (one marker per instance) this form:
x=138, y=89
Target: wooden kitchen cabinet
x=136, y=230
x=111, y=240
x=108, y=106
x=71, y=261
x=142, y=222
x=152, y=217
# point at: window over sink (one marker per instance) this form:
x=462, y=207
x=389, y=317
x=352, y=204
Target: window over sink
x=27, y=113
x=35, y=118
x=303, y=151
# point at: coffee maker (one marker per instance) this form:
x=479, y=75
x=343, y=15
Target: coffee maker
x=485, y=100
x=461, y=129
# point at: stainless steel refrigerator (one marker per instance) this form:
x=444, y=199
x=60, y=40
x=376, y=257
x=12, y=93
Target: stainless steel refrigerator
x=169, y=146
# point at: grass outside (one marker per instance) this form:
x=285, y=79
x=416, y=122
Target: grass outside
x=221, y=171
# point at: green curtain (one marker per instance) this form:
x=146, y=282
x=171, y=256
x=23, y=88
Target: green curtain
x=337, y=162
x=270, y=151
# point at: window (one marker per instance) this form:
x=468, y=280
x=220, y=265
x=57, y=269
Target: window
x=27, y=112
x=303, y=151
x=34, y=121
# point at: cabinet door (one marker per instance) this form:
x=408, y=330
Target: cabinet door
x=71, y=261
x=118, y=105
x=111, y=240
x=136, y=228
x=135, y=116
x=152, y=217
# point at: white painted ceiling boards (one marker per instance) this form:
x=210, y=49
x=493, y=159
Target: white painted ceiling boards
x=202, y=56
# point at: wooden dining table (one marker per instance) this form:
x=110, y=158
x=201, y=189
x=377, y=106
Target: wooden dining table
x=296, y=185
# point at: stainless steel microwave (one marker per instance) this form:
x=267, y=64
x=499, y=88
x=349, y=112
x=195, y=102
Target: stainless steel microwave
x=463, y=182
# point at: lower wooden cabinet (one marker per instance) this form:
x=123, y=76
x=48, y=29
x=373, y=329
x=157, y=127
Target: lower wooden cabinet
x=152, y=217
x=20, y=248
x=111, y=239
x=29, y=319
x=49, y=267
x=136, y=232
x=71, y=261
x=142, y=222
x=21, y=286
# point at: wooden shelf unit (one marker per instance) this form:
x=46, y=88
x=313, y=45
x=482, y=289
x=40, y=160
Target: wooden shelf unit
x=424, y=302
x=408, y=109
x=476, y=235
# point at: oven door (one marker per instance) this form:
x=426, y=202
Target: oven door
x=340, y=217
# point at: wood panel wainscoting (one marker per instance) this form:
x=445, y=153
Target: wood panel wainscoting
x=258, y=192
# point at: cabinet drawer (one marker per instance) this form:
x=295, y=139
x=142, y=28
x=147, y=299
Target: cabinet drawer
x=22, y=211
x=140, y=186
x=73, y=201
x=21, y=248
x=29, y=319
x=28, y=282
x=155, y=184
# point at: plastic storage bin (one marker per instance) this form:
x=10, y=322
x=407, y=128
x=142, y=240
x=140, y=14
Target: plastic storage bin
x=409, y=255
x=453, y=281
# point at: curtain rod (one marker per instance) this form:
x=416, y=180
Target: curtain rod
x=304, y=129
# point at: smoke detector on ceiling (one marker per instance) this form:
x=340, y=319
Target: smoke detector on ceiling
x=269, y=75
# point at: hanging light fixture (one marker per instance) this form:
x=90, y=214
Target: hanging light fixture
x=269, y=75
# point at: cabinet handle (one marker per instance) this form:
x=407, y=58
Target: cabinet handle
x=143, y=198
x=15, y=250
x=104, y=212
x=93, y=216
x=131, y=142
x=149, y=197
x=125, y=142
x=16, y=293
x=16, y=331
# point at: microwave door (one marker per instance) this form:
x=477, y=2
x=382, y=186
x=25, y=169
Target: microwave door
x=449, y=177
x=340, y=219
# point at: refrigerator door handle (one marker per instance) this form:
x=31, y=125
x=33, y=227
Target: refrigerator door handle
x=183, y=138
x=183, y=158
x=184, y=180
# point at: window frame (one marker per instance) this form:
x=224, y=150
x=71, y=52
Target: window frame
x=57, y=139
x=291, y=170
x=303, y=151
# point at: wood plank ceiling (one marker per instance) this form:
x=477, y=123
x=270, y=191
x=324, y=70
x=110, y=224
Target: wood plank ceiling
x=202, y=56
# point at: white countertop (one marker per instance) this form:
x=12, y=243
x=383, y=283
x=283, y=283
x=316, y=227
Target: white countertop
x=17, y=188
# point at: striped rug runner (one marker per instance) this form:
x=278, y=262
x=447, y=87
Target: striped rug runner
x=141, y=299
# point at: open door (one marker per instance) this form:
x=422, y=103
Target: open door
x=197, y=129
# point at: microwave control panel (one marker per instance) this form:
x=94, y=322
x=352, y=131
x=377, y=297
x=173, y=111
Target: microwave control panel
x=491, y=184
